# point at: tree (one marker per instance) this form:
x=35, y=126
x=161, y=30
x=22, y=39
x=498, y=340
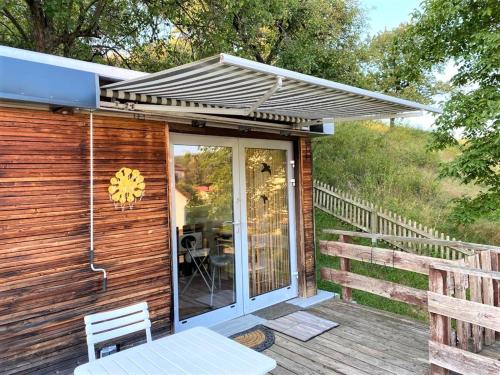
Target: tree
x=467, y=33
x=389, y=69
x=318, y=37
x=83, y=29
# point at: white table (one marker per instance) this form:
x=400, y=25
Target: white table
x=197, y=351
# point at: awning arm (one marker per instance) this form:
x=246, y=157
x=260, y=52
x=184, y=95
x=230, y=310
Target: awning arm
x=381, y=116
x=277, y=85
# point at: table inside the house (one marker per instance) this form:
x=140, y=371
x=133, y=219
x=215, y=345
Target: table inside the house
x=197, y=351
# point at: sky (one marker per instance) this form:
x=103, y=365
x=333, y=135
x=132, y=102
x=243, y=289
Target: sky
x=387, y=14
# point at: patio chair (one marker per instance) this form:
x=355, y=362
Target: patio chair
x=108, y=325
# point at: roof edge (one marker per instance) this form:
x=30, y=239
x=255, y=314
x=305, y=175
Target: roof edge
x=105, y=71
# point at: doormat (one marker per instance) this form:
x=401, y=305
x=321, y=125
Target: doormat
x=276, y=311
x=258, y=338
x=301, y=325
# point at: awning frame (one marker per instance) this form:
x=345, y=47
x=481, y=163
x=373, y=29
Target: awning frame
x=212, y=120
x=233, y=86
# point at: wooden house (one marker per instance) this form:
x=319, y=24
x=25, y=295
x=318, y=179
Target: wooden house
x=190, y=189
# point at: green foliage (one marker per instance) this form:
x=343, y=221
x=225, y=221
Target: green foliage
x=466, y=32
x=393, y=168
x=211, y=168
x=83, y=29
x=389, y=69
x=318, y=37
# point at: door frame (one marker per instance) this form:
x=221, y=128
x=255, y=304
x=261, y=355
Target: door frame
x=224, y=313
x=291, y=291
x=244, y=304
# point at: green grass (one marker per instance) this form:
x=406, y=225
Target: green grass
x=392, y=168
x=325, y=221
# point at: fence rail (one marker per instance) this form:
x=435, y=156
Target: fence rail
x=466, y=294
x=463, y=293
x=385, y=257
x=372, y=219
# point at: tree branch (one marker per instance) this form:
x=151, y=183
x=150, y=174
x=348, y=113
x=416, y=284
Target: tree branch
x=277, y=44
x=238, y=29
x=16, y=24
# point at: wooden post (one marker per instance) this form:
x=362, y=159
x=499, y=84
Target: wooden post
x=463, y=328
x=439, y=324
x=495, y=265
x=475, y=283
x=345, y=265
x=374, y=223
x=488, y=292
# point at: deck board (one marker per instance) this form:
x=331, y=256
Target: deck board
x=367, y=341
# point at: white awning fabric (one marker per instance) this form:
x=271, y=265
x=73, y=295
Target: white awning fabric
x=229, y=85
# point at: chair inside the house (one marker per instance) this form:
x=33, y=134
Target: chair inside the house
x=206, y=281
x=109, y=325
x=207, y=264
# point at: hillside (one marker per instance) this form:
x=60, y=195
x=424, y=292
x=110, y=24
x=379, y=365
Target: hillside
x=393, y=168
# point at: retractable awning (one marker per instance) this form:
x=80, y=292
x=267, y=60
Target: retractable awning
x=229, y=85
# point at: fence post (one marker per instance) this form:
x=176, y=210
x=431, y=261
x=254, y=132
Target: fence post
x=476, y=296
x=374, y=223
x=495, y=265
x=488, y=292
x=439, y=324
x=345, y=265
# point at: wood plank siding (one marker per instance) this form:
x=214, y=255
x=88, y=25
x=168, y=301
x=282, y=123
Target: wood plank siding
x=46, y=285
x=305, y=215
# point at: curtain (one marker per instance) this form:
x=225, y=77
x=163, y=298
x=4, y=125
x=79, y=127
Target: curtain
x=267, y=218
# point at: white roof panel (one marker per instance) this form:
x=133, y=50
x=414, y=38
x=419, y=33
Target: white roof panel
x=260, y=90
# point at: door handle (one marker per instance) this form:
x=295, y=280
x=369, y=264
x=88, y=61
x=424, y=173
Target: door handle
x=232, y=222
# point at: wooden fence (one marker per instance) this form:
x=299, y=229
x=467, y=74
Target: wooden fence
x=372, y=219
x=463, y=293
x=476, y=319
x=348, y=251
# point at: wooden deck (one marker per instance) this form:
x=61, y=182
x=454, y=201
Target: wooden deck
x=368, y=341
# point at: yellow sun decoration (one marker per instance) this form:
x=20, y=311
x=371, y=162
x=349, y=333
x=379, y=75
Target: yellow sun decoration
x=126, y=187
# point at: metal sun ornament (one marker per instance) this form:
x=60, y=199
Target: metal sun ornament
x=126, y=187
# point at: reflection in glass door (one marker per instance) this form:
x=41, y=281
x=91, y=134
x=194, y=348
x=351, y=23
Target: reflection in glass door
x=204, y=218
x=267, y=220
x=222, y=268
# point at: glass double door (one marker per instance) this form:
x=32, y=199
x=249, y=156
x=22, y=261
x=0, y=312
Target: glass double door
x=233, y=220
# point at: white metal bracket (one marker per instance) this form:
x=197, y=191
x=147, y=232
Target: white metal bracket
x=277, y=85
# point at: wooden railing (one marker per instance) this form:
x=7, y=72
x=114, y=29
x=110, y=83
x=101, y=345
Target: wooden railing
x=476, y=319
x=462, y=293
x=347, y=251
x=372, y=219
